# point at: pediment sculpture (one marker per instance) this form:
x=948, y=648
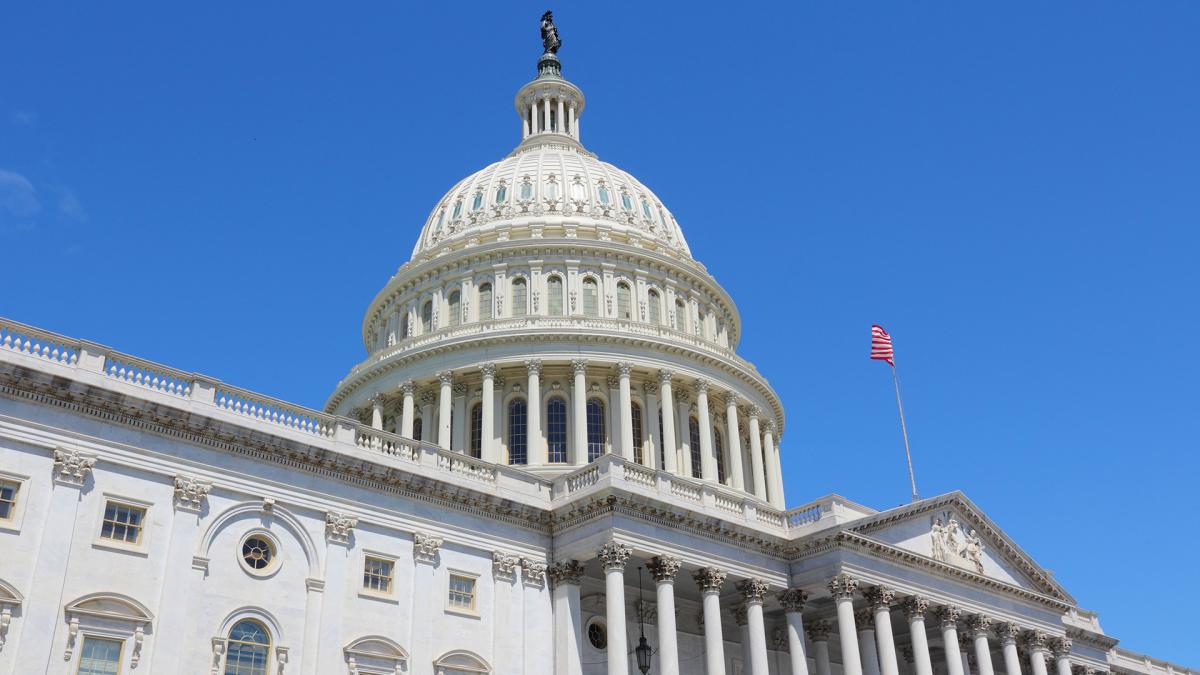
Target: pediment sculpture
x=952, y=543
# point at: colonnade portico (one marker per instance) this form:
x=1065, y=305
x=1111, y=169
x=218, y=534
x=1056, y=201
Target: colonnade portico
x=643, y=413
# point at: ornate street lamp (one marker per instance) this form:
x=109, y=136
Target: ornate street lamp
x=642, y=651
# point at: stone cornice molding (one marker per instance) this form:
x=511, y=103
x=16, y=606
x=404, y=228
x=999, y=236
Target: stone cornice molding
x=709, y=579
x=664, y=568
x=1097, y=640
x=792, y=600
x=339, y=527
x=72, y=467
x=191, y=493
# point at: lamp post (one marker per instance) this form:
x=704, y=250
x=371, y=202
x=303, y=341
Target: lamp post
x=642, y=651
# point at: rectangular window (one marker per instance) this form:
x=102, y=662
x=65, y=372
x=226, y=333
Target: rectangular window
x=122, y=523
x=8, y=499
x=462, y=593
x=99, y=657
x=377, y=575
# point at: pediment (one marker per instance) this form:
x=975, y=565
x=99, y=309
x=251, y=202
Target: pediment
x=951, y=530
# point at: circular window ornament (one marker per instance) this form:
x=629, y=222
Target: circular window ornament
x=258, y=554
x=597, y=634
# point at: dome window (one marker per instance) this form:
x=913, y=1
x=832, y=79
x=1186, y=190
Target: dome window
x=526, y=190
x=551, y=188
x=457, y=210
x=441, y=219
x=501, y=193
x=626, y=203
x=603, y=192
x=654, y=307
x=624, y=302
x=591, y=298
x=646, y=210
x=578, y=192
x=478, y=202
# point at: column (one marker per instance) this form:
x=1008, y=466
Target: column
x=339, y=580
x=428, y=398
x=742, y=622
x=537, y=435
x=176, y=592
x=818, y=632
x=709, y=580
x=979, y=626
x=533, y=118
x=546, y=114
x=579, y=404
x=487, y=446
x=1062, y=655
x=756, y=456
x=948, y=617
x=568, y=622
x=733, y=441
x=653, y=450
x=571, y=120
x=753, y=591
x=664, y=568
x=613, y=424
x=1036, y=643
x=560, y=121
x=614, y=555
x=708, y=464
x=458, y=437
x=625, y=401
x=507, y=610
x=406, y=408
x=377, y=402
x=842, y=587
x=915, y=607
x=864, y=621
x=682, y=410
x=425, y=557
x=1008, y=633
x=793, y=601
x=445, y=401
x=774, y=482
x=667, y=402
x=538, y=619
x=879, y=599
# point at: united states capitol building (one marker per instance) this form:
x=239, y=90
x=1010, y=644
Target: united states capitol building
x=550, y=451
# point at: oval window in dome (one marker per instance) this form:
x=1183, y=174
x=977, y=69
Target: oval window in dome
x=501, y=193
x=603, y=192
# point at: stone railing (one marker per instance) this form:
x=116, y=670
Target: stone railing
x=22, y=339
x=274, y=411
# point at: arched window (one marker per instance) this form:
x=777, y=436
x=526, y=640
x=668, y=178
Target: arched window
x=719, y=448
x=636, y=413
x=455, y=308
x=595, y=429
x=701, y=323
x=694, y=442
x=520, y=298
x=418, y=426
x=554, y=296
x=591, y=298
x=556, y=429
x=427, y=317
x=477, y=430
x=680, y=316
x=404, y=325
x=485, y=302
x=248, y=649
x=654, y=307
x=518, y=432
x=624, y=302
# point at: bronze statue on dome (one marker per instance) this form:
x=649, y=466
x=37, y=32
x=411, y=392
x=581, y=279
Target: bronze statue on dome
x=550, y=40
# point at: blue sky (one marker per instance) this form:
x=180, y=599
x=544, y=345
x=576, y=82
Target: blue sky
x=1009, y=188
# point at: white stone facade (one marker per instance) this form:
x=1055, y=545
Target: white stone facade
x=166, y=522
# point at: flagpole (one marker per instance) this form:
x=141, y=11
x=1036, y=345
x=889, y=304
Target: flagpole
x=912, y=478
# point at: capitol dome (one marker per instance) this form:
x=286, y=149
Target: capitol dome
x=552, y=313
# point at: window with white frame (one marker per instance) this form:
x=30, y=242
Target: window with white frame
x=591, y=297
x=653, y=304
x=123, y=523
x=9, y=490
x=485, y=302
x=455, y=302
x=100, y=656
x=624, y=302
x=462, y=593
x=520, y=297
x=248, y=649
x=377, y=574
x=554, y=296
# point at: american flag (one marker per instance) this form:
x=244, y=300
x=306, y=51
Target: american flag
x=881, y=346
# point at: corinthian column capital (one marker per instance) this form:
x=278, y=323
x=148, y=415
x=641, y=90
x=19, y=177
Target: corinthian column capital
x=843, y=587
x=819, y=630
x=664, y=376
x=979, y=625
x=664, y=568
x=880, y=597
x=949, y=615
x=915, y=607
x=792, y=599
x=579, y=366
x=709, y=579
x=614, y=554
x=753, y=590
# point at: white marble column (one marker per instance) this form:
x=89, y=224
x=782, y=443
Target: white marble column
x=880, y=599
x=488, y=449
x=458, y=419
x=445, y=406
x=818, y=632
x=1062, y=655
x=756, y=456
x=948, y=616
x=625, y=401
x=426, y=549
x=406, y=408
x=753, y=592
x=579, y=405
x=377, y=402
x=614, y=555
x=733, y=442
x=546, y=114
x=979, y=627
x=708, y=462
x=506, y=611
x=667, y=403
x=792, y=601
x=568, y=621
x=741, y=620
x=536, y=434
x=1008, y=634
x=177, y=589
x=964, y=656
x=339, y=583
x=651, y=451
x=842, y=587
x=774, y=470
x=1037, y=644
x=558, y=122
x=683, y=414
x=537, y=606
x=664, y=568
x=709, y=580
x=864, y=621
x=915, y=607
x=428, y=398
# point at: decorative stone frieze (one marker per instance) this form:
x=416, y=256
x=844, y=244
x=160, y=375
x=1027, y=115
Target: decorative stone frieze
x=819, y=630
x=915, y=607
x=565, y=573
x=339, y=527
x=979, y=625
x=72, y=467
x=864, y=619
x=533, y=572
x=709, y=579
x=792, y=600
x=614, y=555
x=425, y=548
x=879, y=597
x=190, y=493
x=949, y=615
x=843, y=587
x=504, y=565
x=753, y=590
x=664, y=568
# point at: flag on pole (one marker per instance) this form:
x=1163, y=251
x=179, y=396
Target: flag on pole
x=881, y=346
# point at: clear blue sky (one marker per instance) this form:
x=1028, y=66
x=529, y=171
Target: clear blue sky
x=1010, y=188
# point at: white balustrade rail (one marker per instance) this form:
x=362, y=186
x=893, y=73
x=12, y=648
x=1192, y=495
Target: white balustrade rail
x=274, y=411
x=18, y=337
x=149, y=375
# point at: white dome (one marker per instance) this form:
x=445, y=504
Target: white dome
x=553, y=182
